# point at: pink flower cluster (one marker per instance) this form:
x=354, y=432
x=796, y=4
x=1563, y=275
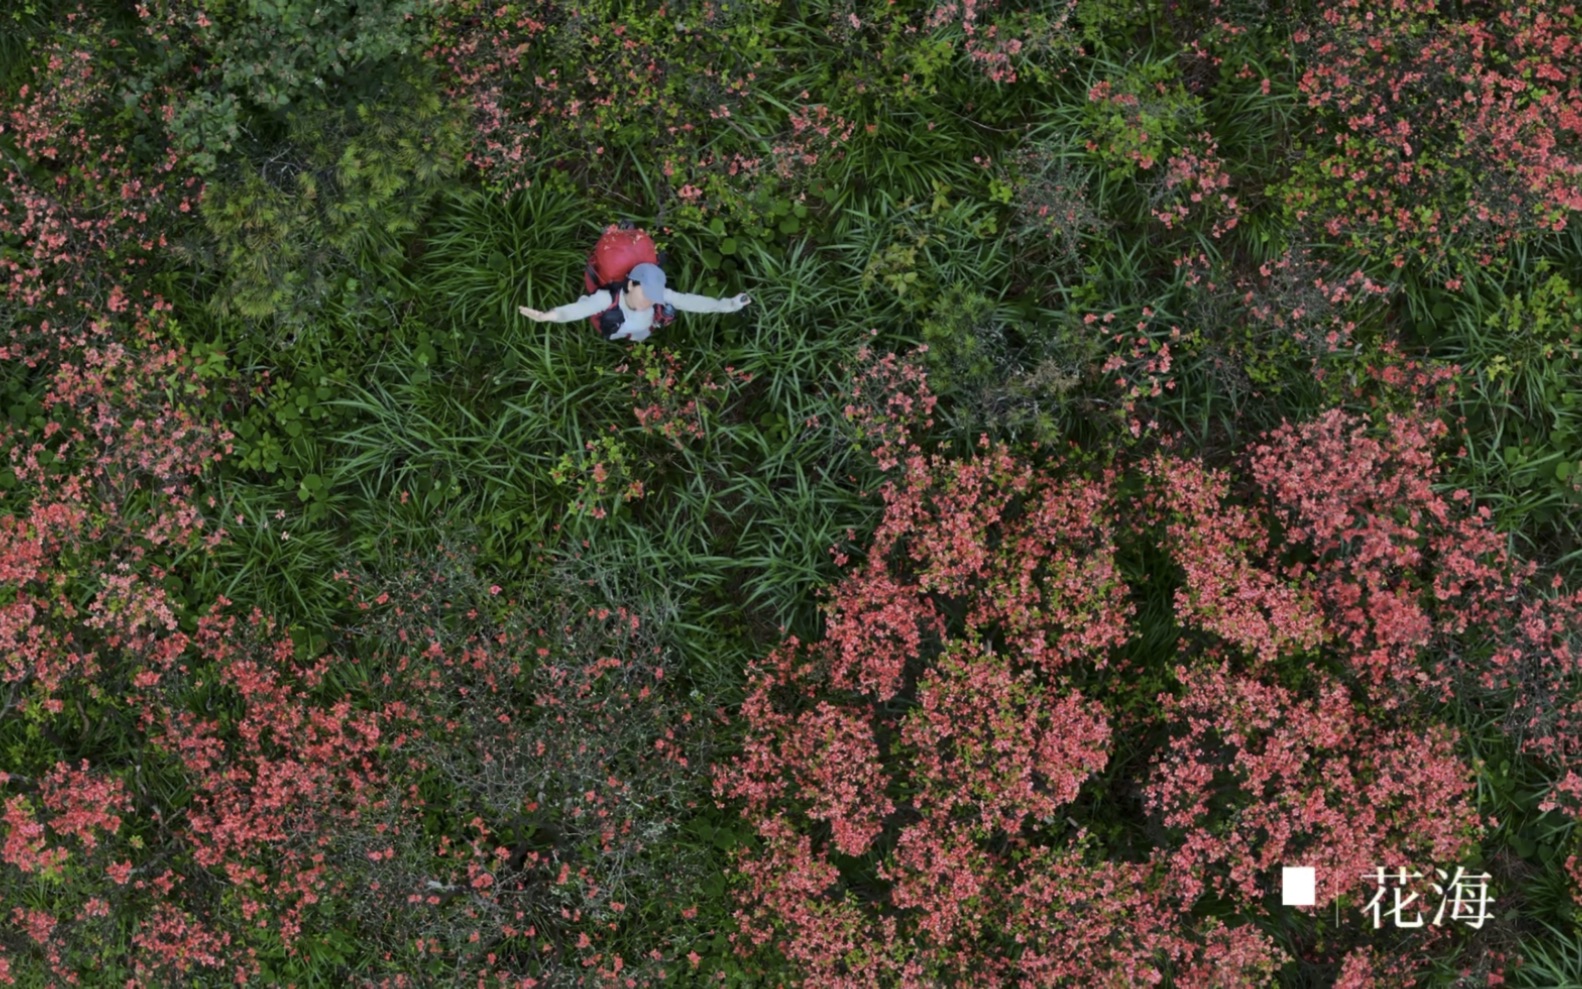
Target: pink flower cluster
x=668, y=401
x=1455, y=137
x=1198, y=175
x=951, y=725
x=890, y=398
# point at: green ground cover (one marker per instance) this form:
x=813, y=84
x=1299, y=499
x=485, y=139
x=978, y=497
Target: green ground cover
x=1104, y=230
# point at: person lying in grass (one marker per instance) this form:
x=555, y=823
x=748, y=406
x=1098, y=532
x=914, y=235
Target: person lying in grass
x=631, y=315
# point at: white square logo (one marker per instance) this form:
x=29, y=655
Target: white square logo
x=1298, y=886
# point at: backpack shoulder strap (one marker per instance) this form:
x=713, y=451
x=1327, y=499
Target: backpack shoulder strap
x=608, y=320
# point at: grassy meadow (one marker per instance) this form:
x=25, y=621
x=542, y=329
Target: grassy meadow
x=362, y=632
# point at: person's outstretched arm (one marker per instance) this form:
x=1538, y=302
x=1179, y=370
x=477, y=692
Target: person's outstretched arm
x=584, y=307
x=687, y=302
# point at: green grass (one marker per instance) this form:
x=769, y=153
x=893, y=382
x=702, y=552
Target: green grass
x=1552, y=960
x=448, y=411
x=467, y=414
x=485, y=257
x=1518, y=341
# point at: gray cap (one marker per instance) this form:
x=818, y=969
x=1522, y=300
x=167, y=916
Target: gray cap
x=652, y=279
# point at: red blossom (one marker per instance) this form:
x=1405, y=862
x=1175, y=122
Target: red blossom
x=959, y=706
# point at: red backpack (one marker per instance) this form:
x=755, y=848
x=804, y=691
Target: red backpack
x=621, y=248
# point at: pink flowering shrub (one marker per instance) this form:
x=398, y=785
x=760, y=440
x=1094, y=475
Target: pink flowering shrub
x=1226, y=590
x=98, y=481
x=1404, y=800
x=922, y=777
x=1439, y=135
x=80, y=184
x=1197, y=184
x=1399, y=569
x=963, y=745
x=605, y=474
x=272, y=782
x=1446, y=138
x=273, y=813
x=692, y=83
x=546, y=767
x=615, y=80
x=1134, y=118
x=667, y=400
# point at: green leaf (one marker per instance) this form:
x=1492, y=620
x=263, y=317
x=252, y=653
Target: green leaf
x=1563, y=470
x=717, y=226
x=711, y=259
x=313, y=482
x=293, y=427
x=728, y=245
x=790, y=225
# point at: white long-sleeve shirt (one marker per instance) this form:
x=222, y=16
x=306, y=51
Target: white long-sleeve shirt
x=637, y=322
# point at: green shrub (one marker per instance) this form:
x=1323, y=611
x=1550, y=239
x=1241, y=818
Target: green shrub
x=312, y=233
x=260, y=57
x=999, y=368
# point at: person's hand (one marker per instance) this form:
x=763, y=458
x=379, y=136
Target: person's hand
x=742, y=300
x=534, y=314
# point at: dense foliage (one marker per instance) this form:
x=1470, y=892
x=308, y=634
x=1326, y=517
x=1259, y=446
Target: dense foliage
x=912, y=775
x=1151, y=458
